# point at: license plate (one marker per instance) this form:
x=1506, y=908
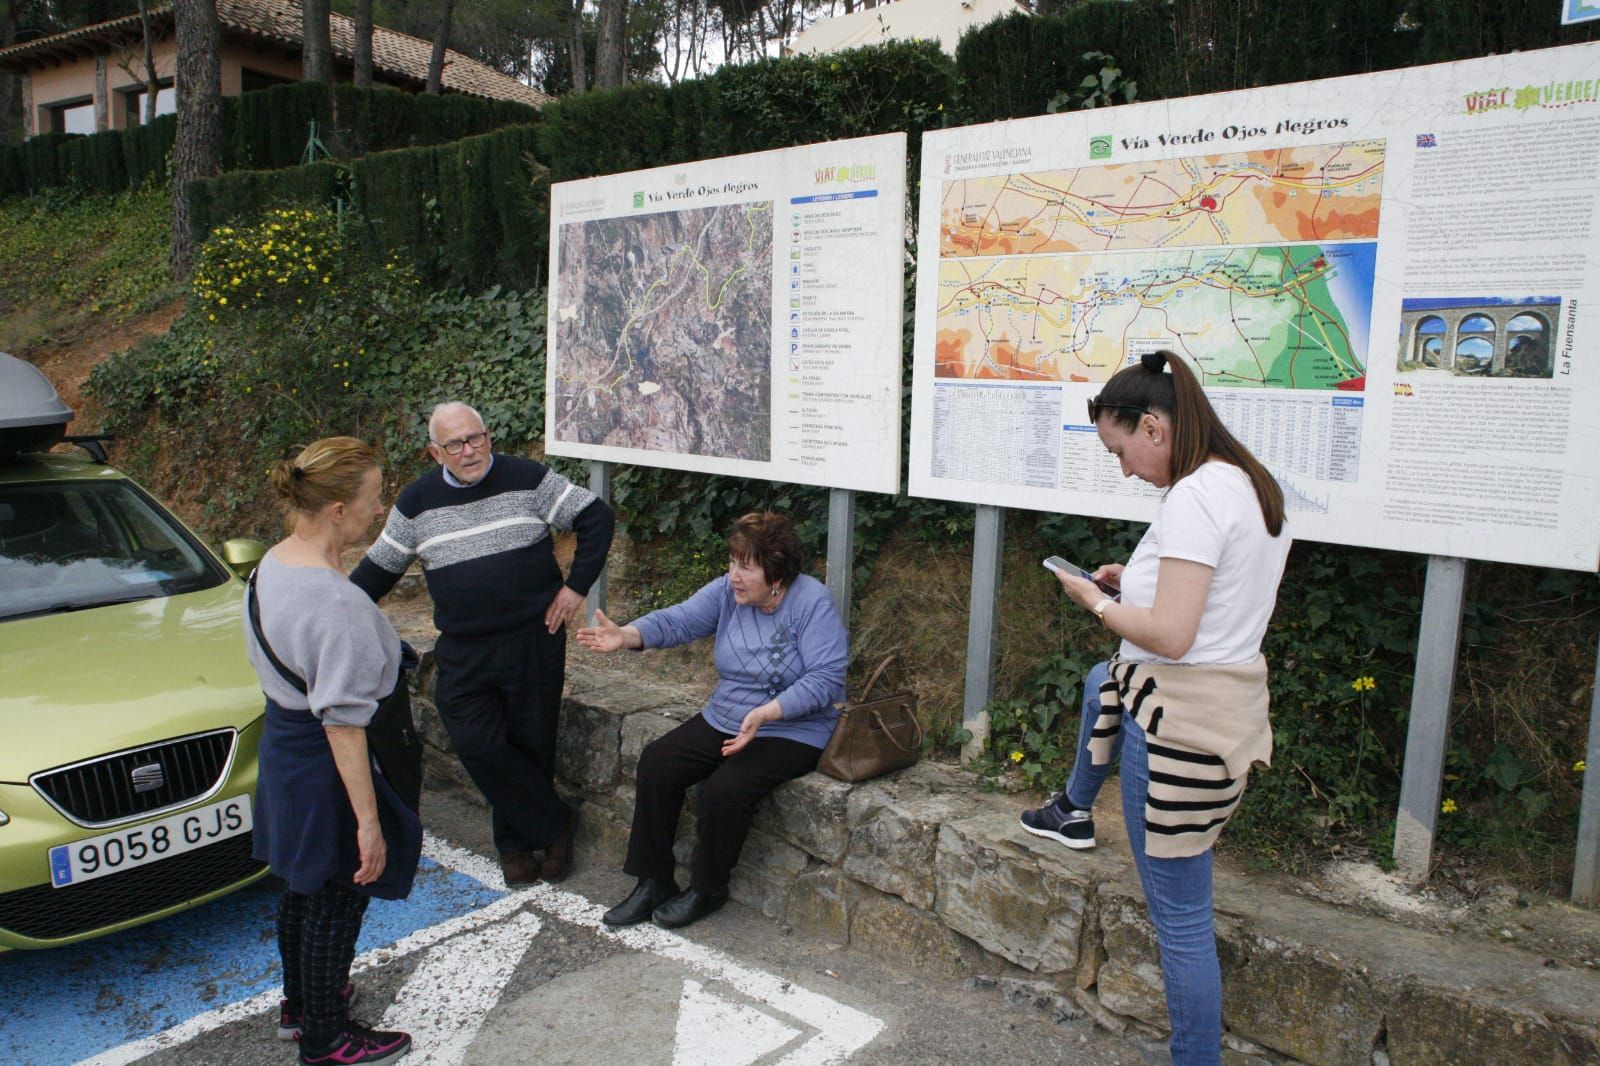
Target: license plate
x=110, y=853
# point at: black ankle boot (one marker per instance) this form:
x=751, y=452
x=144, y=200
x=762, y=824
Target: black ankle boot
x=646, y=896
x=688, y=907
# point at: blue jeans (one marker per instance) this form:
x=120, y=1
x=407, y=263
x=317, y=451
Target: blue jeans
x=1177, y=891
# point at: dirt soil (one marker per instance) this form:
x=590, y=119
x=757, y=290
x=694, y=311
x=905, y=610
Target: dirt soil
x=67, y=364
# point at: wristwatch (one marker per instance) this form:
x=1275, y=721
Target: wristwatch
x=1099, y=609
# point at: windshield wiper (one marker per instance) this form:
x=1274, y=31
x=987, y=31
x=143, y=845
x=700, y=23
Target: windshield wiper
x=68, y=606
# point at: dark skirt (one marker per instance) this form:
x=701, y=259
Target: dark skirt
x=305, y=828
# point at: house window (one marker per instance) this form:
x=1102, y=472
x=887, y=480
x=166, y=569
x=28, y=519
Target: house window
x=166, y=102
x=73, y=116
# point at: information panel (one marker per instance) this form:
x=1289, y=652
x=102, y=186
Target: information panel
x=734, y=316
x=1387, y=283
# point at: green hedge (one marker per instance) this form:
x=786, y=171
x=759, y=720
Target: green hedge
x=264, y=130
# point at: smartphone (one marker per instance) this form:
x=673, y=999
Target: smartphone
x=1059, y=565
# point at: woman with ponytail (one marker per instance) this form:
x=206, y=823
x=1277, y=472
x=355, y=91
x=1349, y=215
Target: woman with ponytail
x=326, y=658
x=1185, y=699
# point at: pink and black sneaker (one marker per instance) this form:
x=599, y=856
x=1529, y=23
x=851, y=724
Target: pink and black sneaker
x=358, y=1044
x=289, y=1018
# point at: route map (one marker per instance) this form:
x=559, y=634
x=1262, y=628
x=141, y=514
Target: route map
x=1314, y=193
x=1291, y=317
x=664, y=332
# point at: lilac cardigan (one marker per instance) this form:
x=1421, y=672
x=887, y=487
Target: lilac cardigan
x=796, y=655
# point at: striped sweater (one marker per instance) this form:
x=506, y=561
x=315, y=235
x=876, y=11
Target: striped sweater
x=486, y=548
x=1205, y=727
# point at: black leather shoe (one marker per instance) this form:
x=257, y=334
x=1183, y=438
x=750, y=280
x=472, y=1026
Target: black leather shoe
x=687, y=907
x=646, y=896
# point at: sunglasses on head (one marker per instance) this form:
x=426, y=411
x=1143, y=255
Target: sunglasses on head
x=1095, y=407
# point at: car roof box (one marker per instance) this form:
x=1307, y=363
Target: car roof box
x=32, y=416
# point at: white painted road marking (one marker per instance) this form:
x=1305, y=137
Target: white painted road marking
x=713, y=1031
x=841, y=1031
x=445, y=999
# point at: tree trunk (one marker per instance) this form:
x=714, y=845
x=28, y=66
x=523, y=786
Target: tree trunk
x=363, y=57
x=611, y=50
x=580, y=59
x=317, y=57
x=197, y=152
x=9, y=82
x=152, y=84
x=441, y=39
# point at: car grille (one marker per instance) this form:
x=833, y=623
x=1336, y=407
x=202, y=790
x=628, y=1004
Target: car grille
x=46, y=913
x=101, y=792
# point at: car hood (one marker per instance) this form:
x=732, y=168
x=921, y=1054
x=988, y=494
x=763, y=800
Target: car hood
x=85, y=683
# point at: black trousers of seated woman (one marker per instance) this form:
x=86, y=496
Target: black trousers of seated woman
x=731, y=789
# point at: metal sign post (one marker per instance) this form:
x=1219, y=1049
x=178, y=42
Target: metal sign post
x=1586, y=865
x=1428, y=735
x=987, y=534
x=600, y=485
x=841, y=548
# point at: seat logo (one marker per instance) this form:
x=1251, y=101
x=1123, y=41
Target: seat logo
x=148, y=778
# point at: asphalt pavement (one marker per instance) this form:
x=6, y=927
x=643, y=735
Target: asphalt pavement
x=478, y=974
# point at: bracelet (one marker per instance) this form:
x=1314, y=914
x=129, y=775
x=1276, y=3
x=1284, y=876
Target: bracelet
x=1099, y=609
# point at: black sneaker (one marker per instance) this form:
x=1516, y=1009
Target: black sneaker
x=1066, y=825
x=358, y=1045
x=289, y=1013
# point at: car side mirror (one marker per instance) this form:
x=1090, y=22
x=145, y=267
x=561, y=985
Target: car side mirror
x=242, y=554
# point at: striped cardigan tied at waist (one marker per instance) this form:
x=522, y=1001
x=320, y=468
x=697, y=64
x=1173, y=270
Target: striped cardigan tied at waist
x=1205, y=727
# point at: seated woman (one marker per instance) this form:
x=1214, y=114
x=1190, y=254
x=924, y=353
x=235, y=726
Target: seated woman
x=781, y=653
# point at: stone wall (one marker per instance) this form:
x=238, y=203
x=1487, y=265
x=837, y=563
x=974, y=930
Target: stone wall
x=927, y=868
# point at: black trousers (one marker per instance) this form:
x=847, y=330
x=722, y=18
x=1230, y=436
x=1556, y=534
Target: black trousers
x=692, y=753
x=500, y=700
x=317, y=942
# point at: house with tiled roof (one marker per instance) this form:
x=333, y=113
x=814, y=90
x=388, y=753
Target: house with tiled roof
x=92, y=79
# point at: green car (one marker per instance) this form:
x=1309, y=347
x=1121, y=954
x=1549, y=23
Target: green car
x=130, y=715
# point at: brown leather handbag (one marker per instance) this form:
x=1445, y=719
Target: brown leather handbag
x=874, y=736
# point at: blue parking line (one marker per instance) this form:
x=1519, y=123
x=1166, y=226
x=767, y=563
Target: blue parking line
x=68, y=1004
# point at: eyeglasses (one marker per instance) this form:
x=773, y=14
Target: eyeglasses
x=1095, y=407
x=453, y=447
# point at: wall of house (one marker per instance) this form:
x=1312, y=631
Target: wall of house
x=124, y=71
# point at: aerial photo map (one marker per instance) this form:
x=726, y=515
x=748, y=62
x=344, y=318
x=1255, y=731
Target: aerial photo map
x=664, y=332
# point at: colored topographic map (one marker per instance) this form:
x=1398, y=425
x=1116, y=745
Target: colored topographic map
x=1280, y=317
x=1324, y=192
x=663, y=337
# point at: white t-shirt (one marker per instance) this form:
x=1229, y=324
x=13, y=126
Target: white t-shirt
x=1212, y=517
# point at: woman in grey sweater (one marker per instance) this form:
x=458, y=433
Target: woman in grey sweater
x=326, y=657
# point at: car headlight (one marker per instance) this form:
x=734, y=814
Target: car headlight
x=4, y=818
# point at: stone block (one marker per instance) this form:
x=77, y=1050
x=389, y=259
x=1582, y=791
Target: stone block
x=886, y=927
x=766, y=873
x=894, y=837
x=994, y=885
x=1431, y=1025
x=602, y=837
x=1297, y=998
x=819, y=903
x=588, y=744
x=1129, y=981
x=810, y=813
x=637, y=731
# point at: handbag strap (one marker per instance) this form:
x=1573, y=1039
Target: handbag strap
x=866, y=693
x=294, y=680
x=889, y=733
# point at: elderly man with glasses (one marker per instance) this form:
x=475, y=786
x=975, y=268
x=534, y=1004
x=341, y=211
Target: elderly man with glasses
x=481, y=524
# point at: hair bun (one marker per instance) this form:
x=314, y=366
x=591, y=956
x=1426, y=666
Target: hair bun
x=1154, y=362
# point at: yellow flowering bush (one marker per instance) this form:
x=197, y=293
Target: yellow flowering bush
x=289, y=253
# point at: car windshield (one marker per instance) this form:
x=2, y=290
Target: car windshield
x=73, y=545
